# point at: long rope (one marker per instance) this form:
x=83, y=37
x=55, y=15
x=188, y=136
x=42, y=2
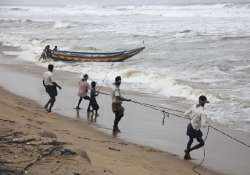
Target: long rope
x=204, y=155
x=111, y=66
x=167, y=113
x=160, y=109
x=105, y=77
x=231, y=137
x=163, y=122
x=216, y=129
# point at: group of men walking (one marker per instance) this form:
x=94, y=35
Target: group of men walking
x=51, y=88
x=197, y=115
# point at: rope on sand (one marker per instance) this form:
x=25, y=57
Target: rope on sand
x=204, y=155
x=165, y=112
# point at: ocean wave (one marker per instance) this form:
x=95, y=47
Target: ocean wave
x=18, y=9
x=157, y=81
x=186, y=7
x=133, y=78
x=9, y=20
x=219, y=10
x=89, y=48
x=185, y=31
x=61, y=24
x=237, y=5
x=9, y=8
x=152, y=80
x=226, y=38
x=11, y=53
x=20, y=20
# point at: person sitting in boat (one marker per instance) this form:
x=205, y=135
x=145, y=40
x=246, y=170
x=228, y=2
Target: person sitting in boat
x=55, y=49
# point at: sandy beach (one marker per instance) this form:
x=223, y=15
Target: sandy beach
x=192, y=48
x=27, y=131
x=125, y=153
x=33, y=141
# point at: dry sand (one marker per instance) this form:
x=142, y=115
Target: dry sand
x=47, y=143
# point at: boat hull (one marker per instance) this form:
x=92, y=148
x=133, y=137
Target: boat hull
x=95, y=57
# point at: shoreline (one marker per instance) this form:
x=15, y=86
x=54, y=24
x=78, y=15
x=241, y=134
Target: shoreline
x=170, y=138
x=106, y=154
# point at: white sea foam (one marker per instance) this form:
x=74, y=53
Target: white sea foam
x=154, y=80
x=28, y=50
x=150, y=81
x=11, y=53
x=61, y=24
x=188, y=48
x=217, y=10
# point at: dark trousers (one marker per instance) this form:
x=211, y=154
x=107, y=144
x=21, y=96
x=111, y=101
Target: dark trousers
x=93, y=104
x=52, y=91
x=80, y=100
x=194, y=134
x=199, y=145
x=118, y=117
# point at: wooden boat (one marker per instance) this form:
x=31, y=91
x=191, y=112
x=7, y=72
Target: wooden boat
x=94, y=56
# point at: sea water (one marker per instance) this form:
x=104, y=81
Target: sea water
x=192, y=47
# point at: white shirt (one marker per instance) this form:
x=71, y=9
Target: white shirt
x=198, y=117
x=116, y=93
x=47, y=78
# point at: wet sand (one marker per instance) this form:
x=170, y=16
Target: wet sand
x=140, y=125
x=36, y=142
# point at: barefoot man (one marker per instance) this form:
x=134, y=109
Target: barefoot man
x=50, y=87
x=83, y=90
x=198, y=119
x=117, y=107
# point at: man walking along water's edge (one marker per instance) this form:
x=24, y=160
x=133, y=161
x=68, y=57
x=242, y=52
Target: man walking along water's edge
x=50, y=87
x=93, y=105
x=117, y=107
x=198, y=119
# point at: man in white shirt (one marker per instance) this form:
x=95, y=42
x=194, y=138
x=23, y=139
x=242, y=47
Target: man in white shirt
x=198, y=119
x=50, y=87
x=117, y=107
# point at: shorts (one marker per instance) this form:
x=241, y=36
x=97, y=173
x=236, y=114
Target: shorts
x=51, y=90
x=191, y=132
x=94, y=104
x=86, y=97
x=118, y=109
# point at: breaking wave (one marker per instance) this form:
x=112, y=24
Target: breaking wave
x=61, y=24
x=215, y=10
